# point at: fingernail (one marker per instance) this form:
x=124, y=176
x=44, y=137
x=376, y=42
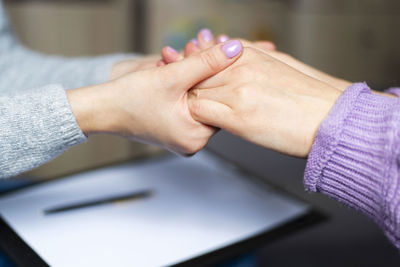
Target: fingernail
x=194, y=40
x=222, y=38
x=207, y=35
x=171, y=49
x=232, y=48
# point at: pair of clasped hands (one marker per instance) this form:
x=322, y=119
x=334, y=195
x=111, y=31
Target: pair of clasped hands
x=179, y=102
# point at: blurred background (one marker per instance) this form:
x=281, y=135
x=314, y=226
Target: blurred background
x=354, y=39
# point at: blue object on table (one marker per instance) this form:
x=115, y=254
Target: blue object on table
x=12, y=184
x=5, y=261
x=248, y=260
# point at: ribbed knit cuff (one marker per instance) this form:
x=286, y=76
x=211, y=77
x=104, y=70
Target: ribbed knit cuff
x=394, y=91
x=37, y=125
x=354, y=156
x=70, y=132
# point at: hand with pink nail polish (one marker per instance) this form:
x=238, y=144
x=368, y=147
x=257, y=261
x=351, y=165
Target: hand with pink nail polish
x=270, y=48
x=204, y=40
x=264, y=101
x=151, y=105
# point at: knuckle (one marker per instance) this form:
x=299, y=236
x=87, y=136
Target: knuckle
x=244, y=72
x=240, y=72
x=195, y=108
x=210, y=60
x=242, y=92
x=190, y=148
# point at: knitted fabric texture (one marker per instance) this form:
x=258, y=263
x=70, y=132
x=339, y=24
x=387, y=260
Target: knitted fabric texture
x=36, y=121
x=354, y=158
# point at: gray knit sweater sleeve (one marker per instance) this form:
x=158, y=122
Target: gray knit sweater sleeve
x=36, y=121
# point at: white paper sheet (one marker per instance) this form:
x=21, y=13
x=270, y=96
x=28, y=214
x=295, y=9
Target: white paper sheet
x=199, y=205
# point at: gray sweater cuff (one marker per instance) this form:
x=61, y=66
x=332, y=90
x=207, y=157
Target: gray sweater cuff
x=37, y=126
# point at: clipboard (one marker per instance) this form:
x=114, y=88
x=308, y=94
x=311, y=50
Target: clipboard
x=203, y=211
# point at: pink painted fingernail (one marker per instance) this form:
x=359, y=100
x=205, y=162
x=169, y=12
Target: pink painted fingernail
x=232, y=48
x=207, y=35
x=222, y=38
x=172, y=49
x=194, y=40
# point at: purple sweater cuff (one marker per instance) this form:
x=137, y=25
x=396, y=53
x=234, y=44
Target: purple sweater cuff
x=354, y=158
x=394, y=91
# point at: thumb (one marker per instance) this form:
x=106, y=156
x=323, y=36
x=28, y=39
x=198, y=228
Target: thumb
x=210, y=112
x=265, y=45
x=190, y=71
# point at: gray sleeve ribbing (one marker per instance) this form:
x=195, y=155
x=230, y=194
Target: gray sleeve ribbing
x=22, y=68
x=36, y=121
x=36, y=126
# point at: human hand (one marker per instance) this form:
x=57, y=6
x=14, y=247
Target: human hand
x=131, y=65
x=204, y=40
x=338, y=83
x=333, y=81
x=265, y=101
x=151, y=105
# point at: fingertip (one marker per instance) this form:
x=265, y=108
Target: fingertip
x=169, y=54
x=232, y=48
x=205, y=38
x=195, y=107
x=205, y=63
x=209, y=112
x=172, y=50
x=195, y=42
x=222, y=38
x=190, y=48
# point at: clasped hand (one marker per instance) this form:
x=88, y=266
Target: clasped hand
x=150, y=104
x=263, y=100
x=248, y=89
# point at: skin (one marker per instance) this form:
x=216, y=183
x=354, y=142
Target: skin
x=270, y=48
x=238, y=98
x=126, y=66
x=151, y=105
x=265, y=101
x=338, y=83
x=267, y=97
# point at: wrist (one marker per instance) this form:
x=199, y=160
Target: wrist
x=342, y=84
x=91, y=108
x=118, y=70
x=320, y=111
x=337, y=83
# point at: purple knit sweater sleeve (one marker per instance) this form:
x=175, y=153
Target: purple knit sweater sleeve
x=394, y=91
x=355, y=157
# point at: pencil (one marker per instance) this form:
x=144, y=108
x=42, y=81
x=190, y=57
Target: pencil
x=96, y=202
